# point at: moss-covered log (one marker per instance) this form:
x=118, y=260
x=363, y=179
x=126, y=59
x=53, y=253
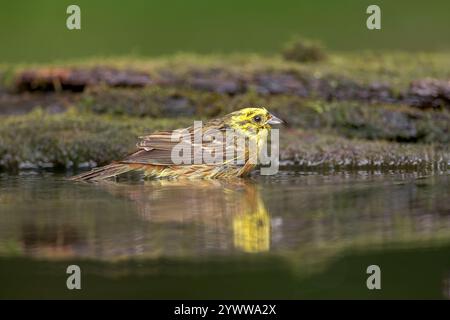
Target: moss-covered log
x=75, y=139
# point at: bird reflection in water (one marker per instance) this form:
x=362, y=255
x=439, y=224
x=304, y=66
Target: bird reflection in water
x=235, y=204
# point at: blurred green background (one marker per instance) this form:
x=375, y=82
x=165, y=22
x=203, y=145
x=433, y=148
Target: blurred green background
x=36, y=30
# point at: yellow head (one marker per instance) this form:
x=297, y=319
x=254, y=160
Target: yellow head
x=252, y=121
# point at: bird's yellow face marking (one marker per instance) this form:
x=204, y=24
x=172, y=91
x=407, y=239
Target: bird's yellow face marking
x=251, y=121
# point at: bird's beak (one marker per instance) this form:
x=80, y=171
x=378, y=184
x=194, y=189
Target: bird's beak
x=274, y=120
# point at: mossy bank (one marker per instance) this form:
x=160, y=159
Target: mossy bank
x=349, y=111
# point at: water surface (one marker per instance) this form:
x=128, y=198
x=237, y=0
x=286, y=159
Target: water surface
x=293, y=235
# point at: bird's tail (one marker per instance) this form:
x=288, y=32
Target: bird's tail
x=102, y=173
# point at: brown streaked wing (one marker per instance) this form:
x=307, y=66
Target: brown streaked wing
x=156, y=148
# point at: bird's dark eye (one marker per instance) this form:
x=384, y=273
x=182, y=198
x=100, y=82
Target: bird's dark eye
x=257, y=118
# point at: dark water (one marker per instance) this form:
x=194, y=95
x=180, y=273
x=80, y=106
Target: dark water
x=294, y=235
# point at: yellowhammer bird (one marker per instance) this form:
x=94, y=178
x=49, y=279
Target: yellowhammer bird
x=214, y=155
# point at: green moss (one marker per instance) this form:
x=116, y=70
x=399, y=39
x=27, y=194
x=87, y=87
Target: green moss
x=304, y=50
x=107, y=120
x=395, y=68
x=154, y=102
x=313, y=149
x=387, y=122
x=71, y=139
x=350, y=119
x=76, y=139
